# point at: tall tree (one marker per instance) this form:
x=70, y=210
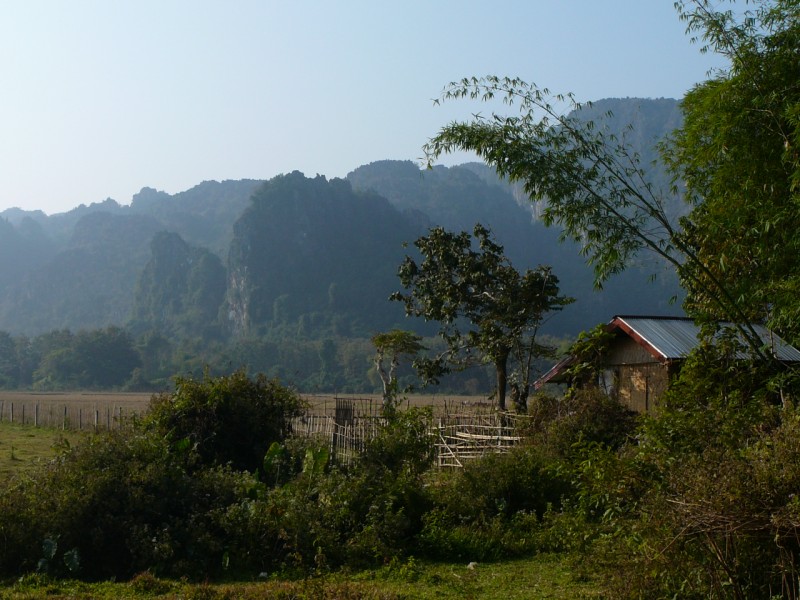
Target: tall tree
x=106, y=357
x=737, y=153
x=593, y=185
x=487, y=310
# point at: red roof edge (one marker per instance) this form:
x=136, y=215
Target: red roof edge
x=619, y=323
x=554, y=372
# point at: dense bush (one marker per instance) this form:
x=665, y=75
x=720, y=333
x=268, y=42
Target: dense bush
x=227, y=420
x=122, y=503
x=586, y=415
x=704, y=504
x=365, y=514
x=698, y=501
x=208, y=482
x=172, y=495
x=522, y=480
x=491, y=508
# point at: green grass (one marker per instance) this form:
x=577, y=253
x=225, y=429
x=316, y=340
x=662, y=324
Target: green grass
x=545, y=576
x=22, y=446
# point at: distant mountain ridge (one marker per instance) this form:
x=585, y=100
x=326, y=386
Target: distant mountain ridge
x=292, y=255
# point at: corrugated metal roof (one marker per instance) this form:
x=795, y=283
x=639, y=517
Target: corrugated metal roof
x=675, y=337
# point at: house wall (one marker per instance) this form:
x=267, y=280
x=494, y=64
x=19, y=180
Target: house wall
x=640, y=386
x=639, y=380
x=624, y=350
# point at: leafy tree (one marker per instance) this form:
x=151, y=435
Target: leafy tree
x=56, y=364
x=737, y=153
x=9, y=364
x=487, y=310
x=156, y=352
x=593, y=185
x=392, y=346
x=27, y=360
x=588, y=353
x=106, y=357
x=100, y=358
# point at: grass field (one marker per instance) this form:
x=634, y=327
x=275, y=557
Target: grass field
x=133, y=400
x=22, y=446
x=539, y=577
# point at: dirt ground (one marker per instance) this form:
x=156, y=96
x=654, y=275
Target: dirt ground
x=88, y=407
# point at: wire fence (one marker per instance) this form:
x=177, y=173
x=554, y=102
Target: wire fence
x=81, y=415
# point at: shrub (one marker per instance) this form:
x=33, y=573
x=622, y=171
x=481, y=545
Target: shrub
x=403, y=445
x=124, y=504
x=225, y=420
x=490, y=508
x=704, y=506
x=726, y=521
x=586, y=415
x=366, y=514
x=445, y=537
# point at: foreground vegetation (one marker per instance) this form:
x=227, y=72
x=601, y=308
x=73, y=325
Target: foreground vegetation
x=697, y=502
x=209, y=487
x=545, y=576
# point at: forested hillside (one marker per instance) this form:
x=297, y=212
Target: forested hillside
x=292, y=275
x=312, y=257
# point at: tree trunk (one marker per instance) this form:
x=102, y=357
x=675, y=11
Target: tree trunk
x=501, y=369
x=519, y=396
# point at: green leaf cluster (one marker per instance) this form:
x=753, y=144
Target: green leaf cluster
x=487, y=310
x=737, y=155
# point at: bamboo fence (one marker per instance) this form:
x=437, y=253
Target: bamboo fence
x=462, y=430
x=467, y=438
x=459, y=437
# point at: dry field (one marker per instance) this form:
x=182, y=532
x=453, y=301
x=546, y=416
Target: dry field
x=370, y=405
x=71, y=410
x=106, y=410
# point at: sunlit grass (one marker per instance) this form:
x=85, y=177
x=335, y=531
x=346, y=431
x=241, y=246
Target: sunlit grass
x=23, y=446
x=546, y=576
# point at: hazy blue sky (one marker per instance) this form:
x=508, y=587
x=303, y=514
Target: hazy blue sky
x=99, y=99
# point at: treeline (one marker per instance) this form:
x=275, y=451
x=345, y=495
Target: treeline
x=113, y=359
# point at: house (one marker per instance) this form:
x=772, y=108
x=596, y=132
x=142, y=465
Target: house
x=646, y=352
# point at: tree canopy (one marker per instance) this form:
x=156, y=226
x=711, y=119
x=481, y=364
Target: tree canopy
x=392, y=346
x=487, y=310
x=736, y=155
